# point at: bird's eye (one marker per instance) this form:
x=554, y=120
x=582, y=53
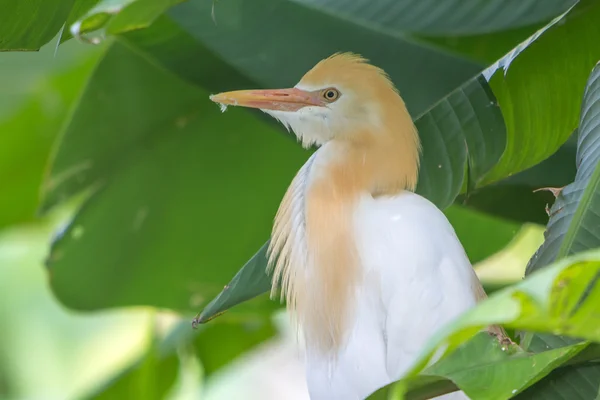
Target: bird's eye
x=331, y=94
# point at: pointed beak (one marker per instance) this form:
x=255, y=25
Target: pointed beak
x=271, y=99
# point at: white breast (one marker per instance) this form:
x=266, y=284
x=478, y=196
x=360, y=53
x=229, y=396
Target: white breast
x=416, y=278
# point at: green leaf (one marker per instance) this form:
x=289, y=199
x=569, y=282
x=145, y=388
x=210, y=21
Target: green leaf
x=28, y=25
x=541, y=107
x=270, y=43
x=117, y=16
x=484, y=369
x=453, y=17
x=560, y=384
x=573, y=224
x=251, y=281
x=80, y=8
x=560, y=299
x=160, y=225
x=38, y=91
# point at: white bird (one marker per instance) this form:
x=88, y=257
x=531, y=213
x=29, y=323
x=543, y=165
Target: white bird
x=370, y=270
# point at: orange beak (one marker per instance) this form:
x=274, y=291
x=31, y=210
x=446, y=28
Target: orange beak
x=272, y=99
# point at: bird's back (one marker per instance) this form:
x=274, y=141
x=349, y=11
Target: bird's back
x=415, y=278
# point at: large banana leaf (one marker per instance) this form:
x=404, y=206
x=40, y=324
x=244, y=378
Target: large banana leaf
x=574, y=226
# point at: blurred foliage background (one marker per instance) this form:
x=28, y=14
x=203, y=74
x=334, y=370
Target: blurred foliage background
x=128, y=201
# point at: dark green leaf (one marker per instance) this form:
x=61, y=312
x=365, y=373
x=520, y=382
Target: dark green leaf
x=484, y=369
x=177, y=184
x=275, y=42
x=451, y=17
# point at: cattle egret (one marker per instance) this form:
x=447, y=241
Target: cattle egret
x=369, y=269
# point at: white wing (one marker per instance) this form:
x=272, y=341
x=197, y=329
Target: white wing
x=417, y=278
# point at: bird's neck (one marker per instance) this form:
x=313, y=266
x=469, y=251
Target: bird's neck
x=313, y=246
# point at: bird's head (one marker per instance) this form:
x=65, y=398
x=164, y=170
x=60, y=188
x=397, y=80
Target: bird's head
x=342, y=97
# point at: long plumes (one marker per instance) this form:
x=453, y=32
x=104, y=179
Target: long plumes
x=287, y=250
x=313, y=254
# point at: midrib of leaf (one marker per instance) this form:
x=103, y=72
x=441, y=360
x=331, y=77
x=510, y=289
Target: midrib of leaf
x=581, y=210
x=63, y=129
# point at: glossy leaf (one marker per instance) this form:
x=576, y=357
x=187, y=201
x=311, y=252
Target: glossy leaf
x=573, y=226
x=541, y=107
x=484, y=369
